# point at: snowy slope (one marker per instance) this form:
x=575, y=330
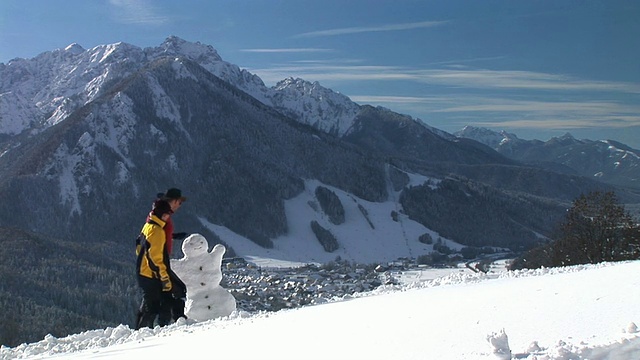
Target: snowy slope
x=365, y=239
x=581, y=312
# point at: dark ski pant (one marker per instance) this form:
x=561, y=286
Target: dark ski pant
x=166, y=306
x=172, y=307
x=154, y=303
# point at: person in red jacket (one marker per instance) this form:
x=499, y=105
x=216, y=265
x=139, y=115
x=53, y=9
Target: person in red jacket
x=174, y=197
x=173, y=306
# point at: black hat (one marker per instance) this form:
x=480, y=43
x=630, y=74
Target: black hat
x=173, y=194
x=161, y=207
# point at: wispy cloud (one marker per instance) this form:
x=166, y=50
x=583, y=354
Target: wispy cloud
x=137, y=12
x=586, y=113
x=485, y=104
x=364, y=29
x=506, y=79
x=328, y=72
x=367, y=99
x=287, y=50
x=515, y=114
x=564, y=123
x=458, y=62
x=459, y=77
x=509, y=98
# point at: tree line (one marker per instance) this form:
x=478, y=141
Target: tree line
x=597, y=228
x=58, y=287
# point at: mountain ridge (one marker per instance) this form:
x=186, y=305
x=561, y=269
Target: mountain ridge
x=607, y=161
x=63, y=90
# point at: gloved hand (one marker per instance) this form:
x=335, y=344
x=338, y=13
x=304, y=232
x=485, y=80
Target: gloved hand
x=180, y=235
x=179, y=292
x=166, y=285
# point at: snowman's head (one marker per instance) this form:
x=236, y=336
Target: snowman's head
x=194, y=245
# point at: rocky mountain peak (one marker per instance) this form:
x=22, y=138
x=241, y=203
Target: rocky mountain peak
x=316, y=105
x=564, y=140
x=74, y=48
x=201, y=53
x=110, y=54
x=482, y=135
x=567, y=135
x=298, y=84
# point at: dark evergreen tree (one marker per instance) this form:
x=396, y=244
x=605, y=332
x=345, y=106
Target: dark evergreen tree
x=596, y=229
x=331, y=205
x=426, y=238
x=325, y=237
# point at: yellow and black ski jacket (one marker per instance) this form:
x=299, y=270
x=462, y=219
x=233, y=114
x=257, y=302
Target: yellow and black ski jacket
x=153, y=256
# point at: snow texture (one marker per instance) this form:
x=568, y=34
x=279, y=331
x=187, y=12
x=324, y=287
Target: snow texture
x=573, y=313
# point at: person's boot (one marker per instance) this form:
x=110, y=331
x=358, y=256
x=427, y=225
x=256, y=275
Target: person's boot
x=178, y=309
x=136, y=324
x=146, y=320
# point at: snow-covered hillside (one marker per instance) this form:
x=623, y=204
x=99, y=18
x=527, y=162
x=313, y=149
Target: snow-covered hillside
x=368, y=235
x=580, y=312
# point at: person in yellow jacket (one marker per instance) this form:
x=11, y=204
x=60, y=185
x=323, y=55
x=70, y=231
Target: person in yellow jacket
x=153, y=265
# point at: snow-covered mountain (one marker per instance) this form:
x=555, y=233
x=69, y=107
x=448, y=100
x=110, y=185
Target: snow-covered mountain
x=605, y=160
x=120, y=121
x=40, y=92
x=315, y=105
x=493, y=139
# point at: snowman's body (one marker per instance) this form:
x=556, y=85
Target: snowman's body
x=201, y=272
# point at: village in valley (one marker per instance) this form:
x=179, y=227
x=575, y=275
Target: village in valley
x=272, y=289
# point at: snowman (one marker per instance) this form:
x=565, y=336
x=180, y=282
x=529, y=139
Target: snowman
x=200, y=270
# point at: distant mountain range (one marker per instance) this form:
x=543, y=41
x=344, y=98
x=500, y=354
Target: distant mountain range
x=89, y=136
x=603, y=160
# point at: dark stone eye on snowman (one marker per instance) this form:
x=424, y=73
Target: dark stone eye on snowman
x=201, y=271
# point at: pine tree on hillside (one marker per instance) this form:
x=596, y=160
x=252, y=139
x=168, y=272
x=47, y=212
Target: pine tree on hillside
x=596, y=229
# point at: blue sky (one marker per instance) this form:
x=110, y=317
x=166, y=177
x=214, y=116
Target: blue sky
x=535, y=68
